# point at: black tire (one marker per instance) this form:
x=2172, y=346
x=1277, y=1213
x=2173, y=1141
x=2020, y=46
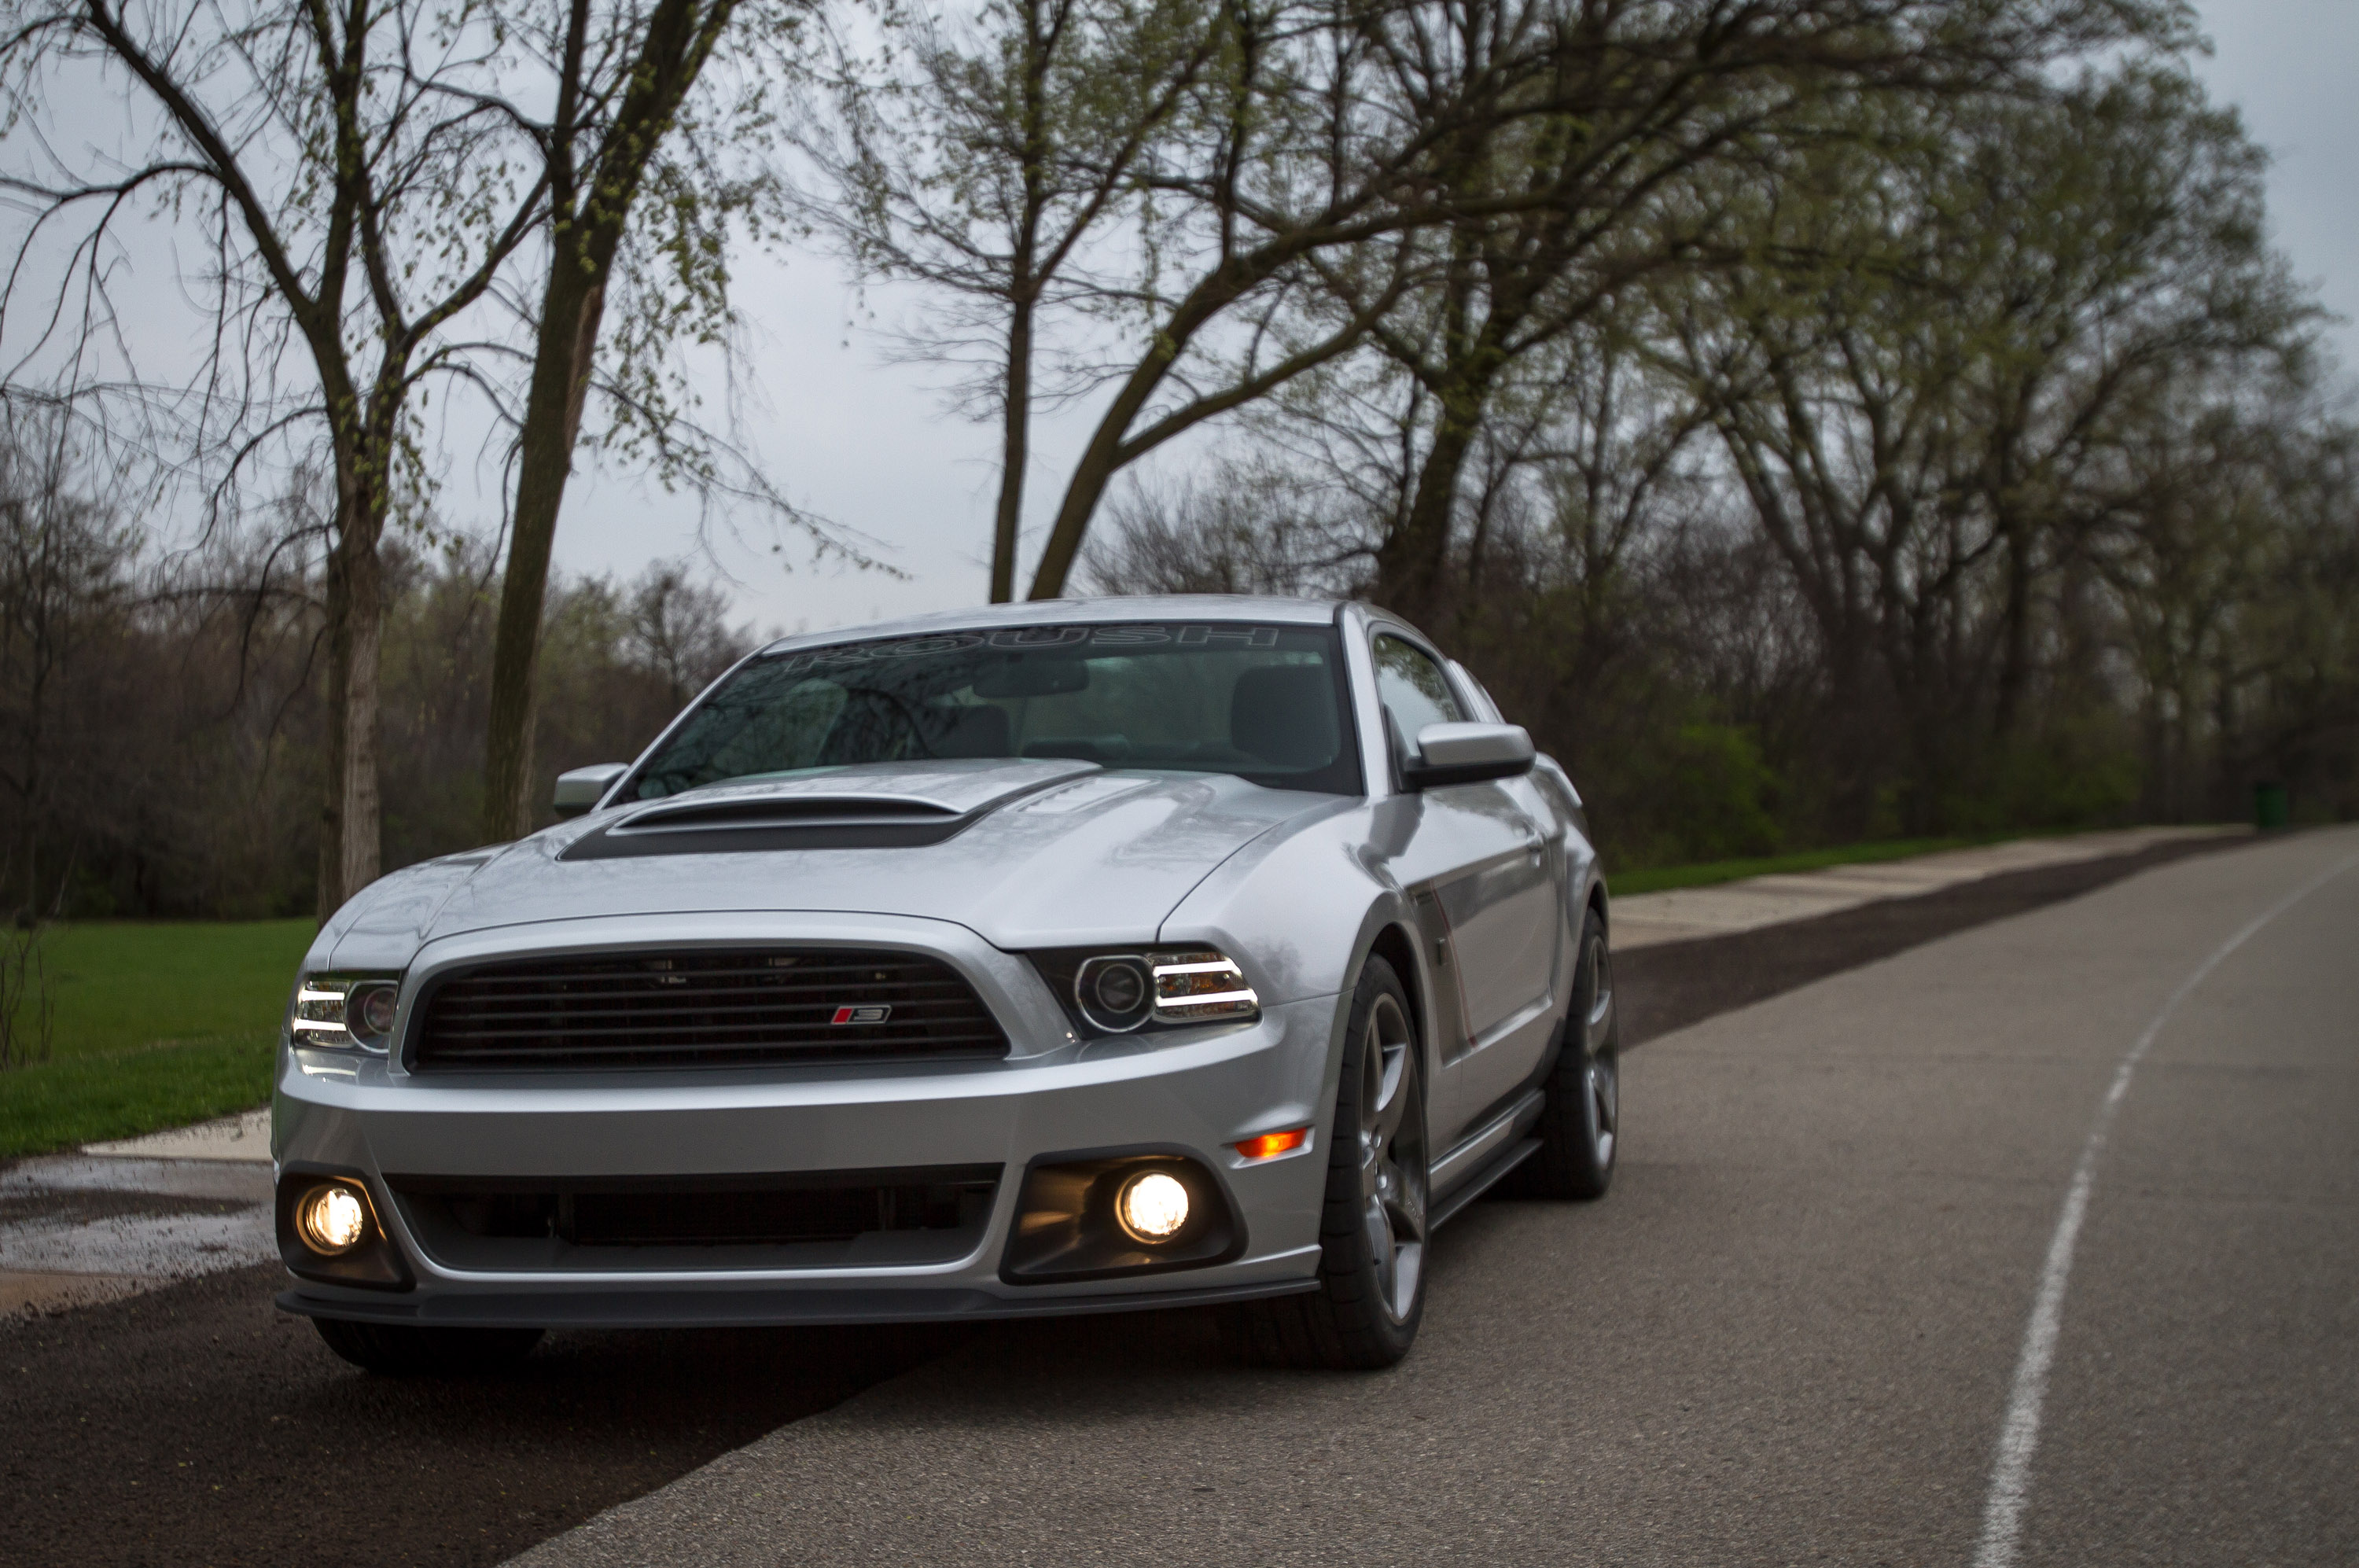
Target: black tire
x=1581, y=1126
x=401, y=1350
x=1366, y=1312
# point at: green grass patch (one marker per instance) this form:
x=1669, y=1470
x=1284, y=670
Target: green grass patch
x=1663, y=878
x=84, y=1099
x=158, y=1024
x=130, y=985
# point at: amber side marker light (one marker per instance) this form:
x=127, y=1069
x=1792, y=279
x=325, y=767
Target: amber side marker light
x=1270, y=1143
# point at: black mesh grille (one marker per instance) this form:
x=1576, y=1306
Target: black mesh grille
x=702, y=1009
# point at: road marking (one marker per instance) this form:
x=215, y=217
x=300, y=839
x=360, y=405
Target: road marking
x=2010, y=1484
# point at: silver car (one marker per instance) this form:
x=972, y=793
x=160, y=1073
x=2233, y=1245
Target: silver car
x=1043, y=959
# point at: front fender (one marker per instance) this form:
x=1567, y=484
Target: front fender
x=1302, y=911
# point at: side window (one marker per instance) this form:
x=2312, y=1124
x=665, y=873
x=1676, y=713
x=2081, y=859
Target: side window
x=1412, y=690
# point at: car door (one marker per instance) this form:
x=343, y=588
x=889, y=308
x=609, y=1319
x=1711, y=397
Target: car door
x=1476, y=864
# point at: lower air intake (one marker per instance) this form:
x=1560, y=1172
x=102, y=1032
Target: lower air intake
x=897, y=1217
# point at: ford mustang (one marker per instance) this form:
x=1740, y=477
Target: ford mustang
x=1042, y=959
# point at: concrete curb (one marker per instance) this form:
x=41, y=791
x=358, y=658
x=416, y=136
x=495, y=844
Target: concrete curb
x=1644, y=919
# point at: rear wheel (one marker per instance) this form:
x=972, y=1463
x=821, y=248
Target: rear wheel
x=1371, y=1291
x=402, y=1350
x=1580, y=1128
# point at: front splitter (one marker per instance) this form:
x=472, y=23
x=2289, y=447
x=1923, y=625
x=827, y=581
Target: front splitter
x=749, y=1307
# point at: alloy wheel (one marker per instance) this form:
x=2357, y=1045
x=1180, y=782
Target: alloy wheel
x=1392, y=1156
x=1604, y=1059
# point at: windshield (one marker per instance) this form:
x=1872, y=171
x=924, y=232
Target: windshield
x=1264, y=703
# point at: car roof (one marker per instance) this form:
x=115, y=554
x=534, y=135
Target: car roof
x=1069, y=612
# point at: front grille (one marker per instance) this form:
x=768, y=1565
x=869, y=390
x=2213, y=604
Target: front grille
x=741, y=1007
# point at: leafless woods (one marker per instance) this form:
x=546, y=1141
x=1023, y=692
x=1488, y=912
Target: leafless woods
x=1815, y=419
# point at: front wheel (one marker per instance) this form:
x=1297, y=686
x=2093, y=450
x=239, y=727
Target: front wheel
x=1580, y=1128
x=1371, y=1291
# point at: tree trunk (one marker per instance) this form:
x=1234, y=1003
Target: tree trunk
x=2015, y=660
x=574, y=303
x=365, y=623
x=1411, y=564
x=1104, y=457
x=350, y=819
x=1099, y=462
x=1014, y=454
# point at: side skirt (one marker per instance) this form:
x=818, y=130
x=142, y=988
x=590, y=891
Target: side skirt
x=1481, y=1182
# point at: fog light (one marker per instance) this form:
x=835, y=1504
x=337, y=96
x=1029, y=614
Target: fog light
x=333, y=1220
x=1152, y=1207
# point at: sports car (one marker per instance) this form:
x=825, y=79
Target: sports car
x=1056, y=958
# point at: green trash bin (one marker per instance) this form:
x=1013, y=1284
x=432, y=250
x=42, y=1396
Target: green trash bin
x=2268, y=806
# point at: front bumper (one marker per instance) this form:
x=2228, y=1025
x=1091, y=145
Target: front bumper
x=1192, y=1096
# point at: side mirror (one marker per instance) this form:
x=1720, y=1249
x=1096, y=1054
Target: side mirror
x=578, y=789
x=1467, y=754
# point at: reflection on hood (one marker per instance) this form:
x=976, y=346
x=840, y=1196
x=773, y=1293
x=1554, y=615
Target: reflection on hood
x=1045, y=854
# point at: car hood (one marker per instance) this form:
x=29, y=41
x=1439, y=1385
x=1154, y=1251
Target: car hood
x=1037, y=855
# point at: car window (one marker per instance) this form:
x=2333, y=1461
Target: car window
x=1265, y=703
x=1411, y=687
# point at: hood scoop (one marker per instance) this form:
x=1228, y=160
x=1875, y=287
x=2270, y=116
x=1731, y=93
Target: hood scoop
x=866, y=809
x=705, y=816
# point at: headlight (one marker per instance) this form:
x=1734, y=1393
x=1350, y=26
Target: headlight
x=1116, y=993
x=340, y=1011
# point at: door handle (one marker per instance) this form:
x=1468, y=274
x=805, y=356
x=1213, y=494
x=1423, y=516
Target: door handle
x=1535, y=847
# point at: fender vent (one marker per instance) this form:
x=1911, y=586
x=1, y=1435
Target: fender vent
x=744, y=1008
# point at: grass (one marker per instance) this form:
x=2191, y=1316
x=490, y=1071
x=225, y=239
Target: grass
x=158, y=1024
x=1663, y=878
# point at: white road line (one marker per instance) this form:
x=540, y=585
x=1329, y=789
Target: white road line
x=2010, y=1484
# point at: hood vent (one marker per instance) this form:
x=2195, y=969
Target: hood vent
x=723, y=827
x=798, y=811
x=895, y=806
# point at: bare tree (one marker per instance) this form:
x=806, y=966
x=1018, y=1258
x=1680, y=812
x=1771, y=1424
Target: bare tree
x=1255, y=527
x=356, y=197
x=64, y=583
x=986, y=160
x=1548, y=140
x=679, y=629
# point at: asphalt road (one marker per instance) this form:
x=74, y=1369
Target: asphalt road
x=1790, y=1334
